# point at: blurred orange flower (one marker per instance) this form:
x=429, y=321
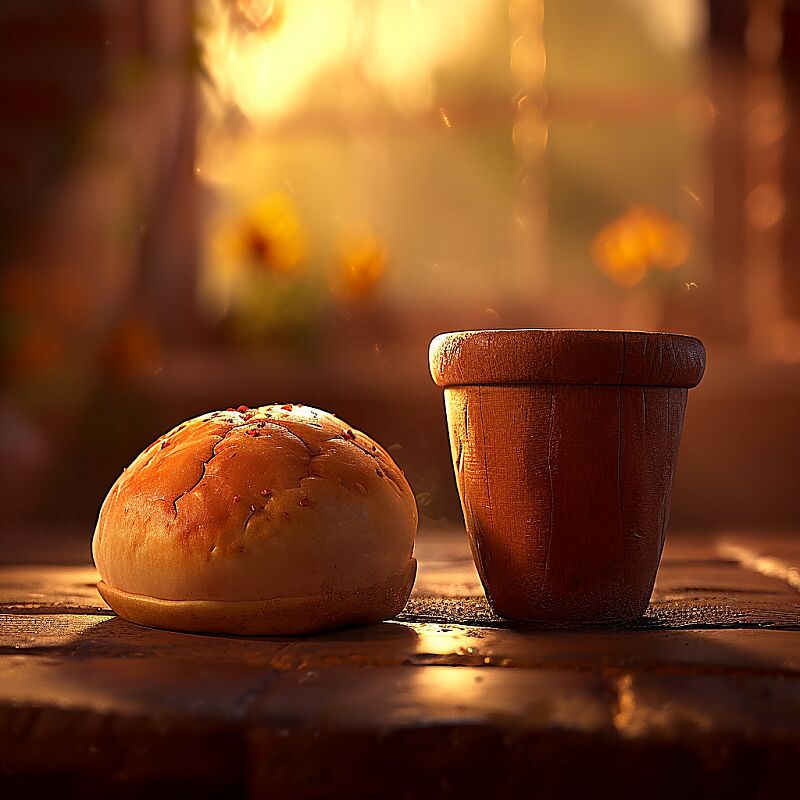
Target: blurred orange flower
x=268, y=235
x=57, y=296
x=362, y=264
x=641, y=238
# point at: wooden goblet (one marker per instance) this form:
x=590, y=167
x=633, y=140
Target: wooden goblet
x=564, y=446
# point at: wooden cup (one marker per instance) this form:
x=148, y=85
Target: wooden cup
x=564, y=446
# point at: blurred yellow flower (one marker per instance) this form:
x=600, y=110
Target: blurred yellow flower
x=641, y=238
x=268, y=235
x=362, y=264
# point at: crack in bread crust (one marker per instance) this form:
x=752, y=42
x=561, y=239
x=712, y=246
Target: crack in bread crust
x=204, y=464
x=376, y=456
x=313, y=450
x=203, y=468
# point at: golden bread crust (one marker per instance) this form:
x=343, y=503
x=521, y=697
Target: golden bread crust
x=256, y=505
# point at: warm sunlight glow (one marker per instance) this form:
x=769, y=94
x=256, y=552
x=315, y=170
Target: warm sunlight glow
x=267, y=72
x=267, y=68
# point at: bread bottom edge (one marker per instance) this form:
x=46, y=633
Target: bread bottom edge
x=281, y=616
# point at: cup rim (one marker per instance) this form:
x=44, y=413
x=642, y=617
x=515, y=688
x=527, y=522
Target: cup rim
x=566, y=356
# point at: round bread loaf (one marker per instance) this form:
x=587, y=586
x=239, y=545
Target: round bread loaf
x=272, y=520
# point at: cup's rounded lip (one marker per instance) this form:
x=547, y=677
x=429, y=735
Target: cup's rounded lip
x=566, y=356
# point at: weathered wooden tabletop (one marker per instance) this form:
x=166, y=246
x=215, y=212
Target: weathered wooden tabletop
x=702, y=697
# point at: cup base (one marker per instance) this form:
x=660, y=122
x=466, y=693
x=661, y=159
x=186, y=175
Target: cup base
x=570, y=618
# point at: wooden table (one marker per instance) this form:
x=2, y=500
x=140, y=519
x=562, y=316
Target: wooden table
x=702, y=697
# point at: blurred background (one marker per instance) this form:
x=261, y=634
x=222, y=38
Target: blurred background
x=219, y=202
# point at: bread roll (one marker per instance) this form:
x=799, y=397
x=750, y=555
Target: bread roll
x=272, y=520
